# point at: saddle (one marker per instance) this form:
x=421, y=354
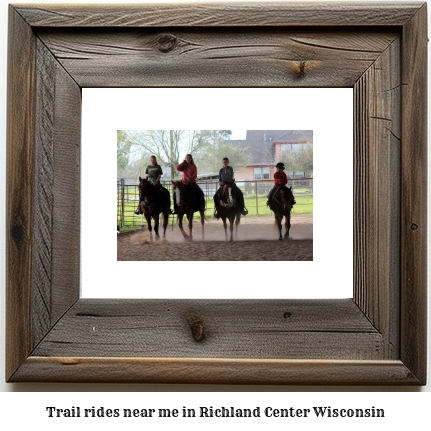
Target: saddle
x=273, y=199
x=166, y=198
x=163, y=197
x=198, y=198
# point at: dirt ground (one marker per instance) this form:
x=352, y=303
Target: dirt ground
x=257, y=240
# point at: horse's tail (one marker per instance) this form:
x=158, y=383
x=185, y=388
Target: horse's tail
x=203, y=216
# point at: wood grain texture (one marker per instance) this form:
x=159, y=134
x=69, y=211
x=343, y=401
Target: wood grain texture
x=378, y=338
x=214, y=58
x=215, y=371
x=43, y=194
x=268, y=329
x=19, y=198
x=377, y=192
x=414, y=194
x=55, y=284
x=219, y=15
x=66, y=192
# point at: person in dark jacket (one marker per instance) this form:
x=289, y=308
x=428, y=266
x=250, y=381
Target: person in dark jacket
x=226, y=174
x=154, y=173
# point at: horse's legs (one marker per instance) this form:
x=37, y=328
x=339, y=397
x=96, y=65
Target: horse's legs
x=278, y=219
x=165, y=223
x=223, y=217
x=190, y=217
x=156, y=226
x=202, y=223
x=141, y=205
x=231, y=224
x=287, y=225
x=237, y=220
x=180, y=223
x=150, y=228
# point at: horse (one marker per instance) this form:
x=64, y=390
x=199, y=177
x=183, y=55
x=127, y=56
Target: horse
x=187, y=202
x=281, y=204
x=152, y=207
x=227, y=208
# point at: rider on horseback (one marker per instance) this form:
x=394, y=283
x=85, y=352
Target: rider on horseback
x=280, y=180
x=154, y=173
x=226, y=174
x=190, y=173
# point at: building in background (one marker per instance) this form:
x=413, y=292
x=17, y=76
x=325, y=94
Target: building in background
x=266, y=148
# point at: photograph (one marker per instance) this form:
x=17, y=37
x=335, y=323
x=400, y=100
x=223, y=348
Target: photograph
x=250, y=187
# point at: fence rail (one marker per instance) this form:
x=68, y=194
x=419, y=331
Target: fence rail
x=255, y=197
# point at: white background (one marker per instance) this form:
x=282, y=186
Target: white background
x=24, y=410
x=328, y=112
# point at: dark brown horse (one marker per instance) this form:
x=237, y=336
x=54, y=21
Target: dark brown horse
x=281, y=204
x=151, y=206
x=187, y=202
x=227, y=208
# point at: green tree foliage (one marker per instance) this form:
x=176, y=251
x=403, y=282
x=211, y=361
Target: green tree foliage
x=304, y=158
x=135, y=168
x=212, y=162
x=300, y=160
x=123, y=150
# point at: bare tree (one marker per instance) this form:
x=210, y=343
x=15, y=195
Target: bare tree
x=164, y=144
x=171, y=146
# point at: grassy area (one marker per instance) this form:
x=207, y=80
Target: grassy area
x=304, y=205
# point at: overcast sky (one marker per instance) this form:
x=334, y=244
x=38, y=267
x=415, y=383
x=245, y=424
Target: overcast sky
x=238, y=134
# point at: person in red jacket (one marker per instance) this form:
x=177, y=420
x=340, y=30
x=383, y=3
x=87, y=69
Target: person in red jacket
x=189, y=170
x=280, y=179
x=190, y=173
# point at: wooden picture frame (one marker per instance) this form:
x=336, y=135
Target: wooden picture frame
x=378, y=337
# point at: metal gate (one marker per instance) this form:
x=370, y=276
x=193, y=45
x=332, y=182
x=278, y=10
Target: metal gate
x=120, y=204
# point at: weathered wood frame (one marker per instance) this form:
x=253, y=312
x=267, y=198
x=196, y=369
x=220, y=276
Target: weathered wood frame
x=378, y=337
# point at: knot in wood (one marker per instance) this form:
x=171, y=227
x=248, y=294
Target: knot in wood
x=414, y=226
x=18, y=233
x=167, y=42
x=300, y=69
x=197, y=327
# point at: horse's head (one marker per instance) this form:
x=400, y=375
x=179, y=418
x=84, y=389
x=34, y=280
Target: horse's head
x=285, y=198
x=144, y=185
x=178, y=185
x=228, y=193
x=178, y=190
x=228, y=184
